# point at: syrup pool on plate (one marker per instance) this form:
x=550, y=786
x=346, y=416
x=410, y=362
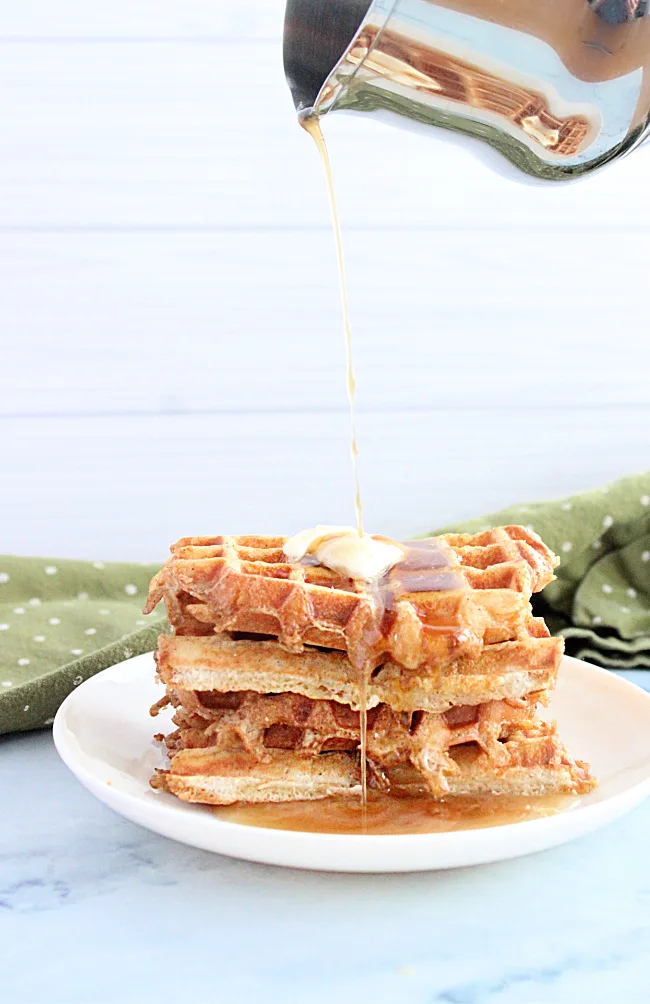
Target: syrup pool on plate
x=387, y=814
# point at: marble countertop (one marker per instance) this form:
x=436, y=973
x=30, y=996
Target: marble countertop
x=135, y=203
x=95, y=910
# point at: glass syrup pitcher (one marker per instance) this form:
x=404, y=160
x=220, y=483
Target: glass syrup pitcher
x=559, y=87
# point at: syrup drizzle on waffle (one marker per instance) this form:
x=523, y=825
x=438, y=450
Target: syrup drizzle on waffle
x=428, y=565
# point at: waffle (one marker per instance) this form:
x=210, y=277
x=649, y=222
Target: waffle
x=257, y=723
x=224, y=663
x=218, y=778
x=533, y=762
x=271, y=663
x=479, y=595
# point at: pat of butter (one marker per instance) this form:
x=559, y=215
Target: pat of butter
x=343, y=550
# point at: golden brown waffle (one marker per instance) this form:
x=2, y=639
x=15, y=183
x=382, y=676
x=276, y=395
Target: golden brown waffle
x=532, y=762
x=258, y=723
x=219, y=778
x=288, y=721
x=216, y=584
x=222, y=663
x=263, y=672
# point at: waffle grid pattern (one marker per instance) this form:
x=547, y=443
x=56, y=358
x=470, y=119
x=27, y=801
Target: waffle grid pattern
x=216, y=584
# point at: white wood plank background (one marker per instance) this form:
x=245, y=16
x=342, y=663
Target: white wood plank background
x=169, y=305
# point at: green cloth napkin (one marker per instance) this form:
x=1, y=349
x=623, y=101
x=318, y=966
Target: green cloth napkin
x=63, y=621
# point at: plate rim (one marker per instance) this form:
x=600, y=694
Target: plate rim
x=473, y=846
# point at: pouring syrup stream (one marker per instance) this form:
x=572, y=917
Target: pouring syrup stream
x=312, y=126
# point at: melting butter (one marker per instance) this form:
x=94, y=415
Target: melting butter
x=344, y=550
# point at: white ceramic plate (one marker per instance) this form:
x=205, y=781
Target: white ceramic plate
x=103, y=732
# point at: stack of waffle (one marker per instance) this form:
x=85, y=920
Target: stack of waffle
x=271, y=663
